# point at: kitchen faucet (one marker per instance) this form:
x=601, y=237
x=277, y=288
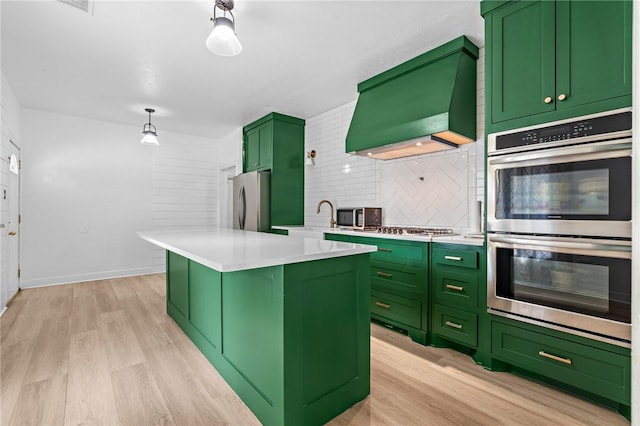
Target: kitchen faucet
x=332, y=222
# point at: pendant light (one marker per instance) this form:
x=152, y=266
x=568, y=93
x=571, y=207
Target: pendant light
x=223, y=40
x=149, y=131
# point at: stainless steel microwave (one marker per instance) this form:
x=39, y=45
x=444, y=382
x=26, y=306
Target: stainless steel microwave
x=359, y=217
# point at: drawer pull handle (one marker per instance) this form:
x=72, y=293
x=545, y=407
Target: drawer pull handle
x=456, y=258
x=555, y=358
x=383, y=305
x=384, y=274
x=386, y=250
x=453, y=325
x=455, y=287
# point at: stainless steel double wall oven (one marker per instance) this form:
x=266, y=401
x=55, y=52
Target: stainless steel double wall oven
x=559, y=225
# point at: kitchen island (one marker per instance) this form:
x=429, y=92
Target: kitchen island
x=284, y=320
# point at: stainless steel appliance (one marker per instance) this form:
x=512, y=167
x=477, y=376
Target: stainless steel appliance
x=559, y=225
x=579, y=184
x=251, y=198
x=359, y=217
x=582, y=285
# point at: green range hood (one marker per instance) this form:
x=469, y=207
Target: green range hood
x=424, y=105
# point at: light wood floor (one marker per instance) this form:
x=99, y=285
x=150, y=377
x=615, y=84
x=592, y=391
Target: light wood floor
x=105, y=352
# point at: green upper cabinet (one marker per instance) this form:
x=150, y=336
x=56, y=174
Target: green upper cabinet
x=548, y=60
x=276, y=142
x=258, y=148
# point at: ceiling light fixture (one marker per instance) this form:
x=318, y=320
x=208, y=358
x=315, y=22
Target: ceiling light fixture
x=223, y=40
x=149, y=131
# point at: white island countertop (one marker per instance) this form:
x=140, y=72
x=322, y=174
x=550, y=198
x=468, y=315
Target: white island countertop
x=228, y=250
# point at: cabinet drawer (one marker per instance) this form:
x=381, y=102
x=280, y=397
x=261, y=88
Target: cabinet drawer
x=392, y=251
x=456, y=325
x=396, y=308
x=456, y=288
x=393, y=278
x=592, y=369
x=460, y=258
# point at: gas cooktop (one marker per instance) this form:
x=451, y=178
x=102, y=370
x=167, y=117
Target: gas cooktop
x=402, y=230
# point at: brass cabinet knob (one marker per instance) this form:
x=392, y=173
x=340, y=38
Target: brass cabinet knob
x=562, y=97
x=12, y=233
x=548, y=100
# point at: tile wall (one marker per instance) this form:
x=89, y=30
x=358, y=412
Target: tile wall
x=438, y=189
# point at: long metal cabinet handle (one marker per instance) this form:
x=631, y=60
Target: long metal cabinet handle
x=456, y=258
x=454, y=287
x=555, y=358
x=384, y=274
x=383, y=305
x=453, y=325
x=386, y=250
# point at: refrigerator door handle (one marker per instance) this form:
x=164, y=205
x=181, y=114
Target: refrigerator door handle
x=239, y=208
x=243, y=210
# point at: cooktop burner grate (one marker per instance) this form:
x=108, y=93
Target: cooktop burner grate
x=401, y=230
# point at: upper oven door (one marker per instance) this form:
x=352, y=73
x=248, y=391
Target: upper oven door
x=578, y=190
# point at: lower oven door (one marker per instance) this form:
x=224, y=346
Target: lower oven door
x=579, y=285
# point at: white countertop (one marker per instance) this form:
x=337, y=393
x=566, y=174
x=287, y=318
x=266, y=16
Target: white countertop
x=228, y=250
x=470, y=240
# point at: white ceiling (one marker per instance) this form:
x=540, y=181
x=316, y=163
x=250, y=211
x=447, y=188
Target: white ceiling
x=299, y=57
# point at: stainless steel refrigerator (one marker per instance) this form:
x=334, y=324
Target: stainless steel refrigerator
x=251, y=197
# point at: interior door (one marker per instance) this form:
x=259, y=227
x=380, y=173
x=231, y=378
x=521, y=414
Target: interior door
x=12, y=222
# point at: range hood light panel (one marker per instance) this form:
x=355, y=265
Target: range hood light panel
x=434, y=143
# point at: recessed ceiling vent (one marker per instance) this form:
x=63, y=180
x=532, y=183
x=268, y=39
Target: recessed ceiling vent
x=84, y=5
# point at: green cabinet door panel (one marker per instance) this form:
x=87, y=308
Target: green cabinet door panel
x=589, y=368
x=456, y=325
x=266, y=145
x=593, y=51
x=292, y=341
x=523, y=60
x=252, y=150
x=456, y=288
x=204, y=302
x=252, y=324
x=178, y=283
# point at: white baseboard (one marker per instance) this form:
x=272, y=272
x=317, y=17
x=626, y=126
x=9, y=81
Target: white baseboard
x=3, y=311
x=79, y=278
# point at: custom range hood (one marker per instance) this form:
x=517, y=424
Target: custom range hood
x=424, y=105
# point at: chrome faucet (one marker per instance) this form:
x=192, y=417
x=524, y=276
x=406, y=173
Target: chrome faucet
x=332, y=222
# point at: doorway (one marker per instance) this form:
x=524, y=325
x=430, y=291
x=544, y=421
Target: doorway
x=225, y=215
x=10, y=237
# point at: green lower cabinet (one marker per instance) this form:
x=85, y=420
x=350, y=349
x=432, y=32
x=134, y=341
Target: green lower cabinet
x=399, y=283
x=387, y=306
x=454, y=324
x=296, y=360
x=593, y=369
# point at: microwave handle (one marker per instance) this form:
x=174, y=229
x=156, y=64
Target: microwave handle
x=593, y=151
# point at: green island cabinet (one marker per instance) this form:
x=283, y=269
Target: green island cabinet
x=276, y=142
x=458, y=294
x=291, y=340
x=548, y=60
x=398, y=275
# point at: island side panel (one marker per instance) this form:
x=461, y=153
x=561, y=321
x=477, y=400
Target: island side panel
x=327, y=338
x=252, y=340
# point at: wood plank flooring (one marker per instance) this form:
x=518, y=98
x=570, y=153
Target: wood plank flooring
x=106, y=353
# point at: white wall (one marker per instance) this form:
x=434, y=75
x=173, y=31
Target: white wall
x=9, y=131
x=88, y=186
x=453, y=180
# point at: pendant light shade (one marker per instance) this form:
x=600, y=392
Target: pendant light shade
x=223, y=40
x=149, y=132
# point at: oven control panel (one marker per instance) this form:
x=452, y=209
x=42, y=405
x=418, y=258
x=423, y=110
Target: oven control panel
x=573, y=130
